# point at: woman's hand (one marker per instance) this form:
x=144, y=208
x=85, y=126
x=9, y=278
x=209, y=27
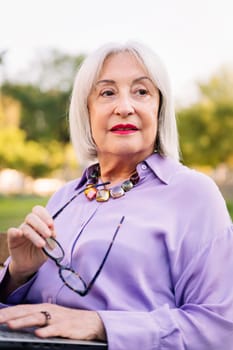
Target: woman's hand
x=25, y=244
x=63, y=322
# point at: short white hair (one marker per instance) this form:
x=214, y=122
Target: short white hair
x=166, y=141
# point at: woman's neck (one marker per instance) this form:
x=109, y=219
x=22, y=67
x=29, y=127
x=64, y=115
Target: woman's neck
x=116, y=170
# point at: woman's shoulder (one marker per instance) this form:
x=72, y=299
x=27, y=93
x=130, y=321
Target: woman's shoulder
x=191, y=188
x=200, y=198
x=195, y=181
x=174, y=172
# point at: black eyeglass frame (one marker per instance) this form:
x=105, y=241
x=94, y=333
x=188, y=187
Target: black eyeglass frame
x=61, y=267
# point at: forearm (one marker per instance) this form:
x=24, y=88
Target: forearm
x=195, y=328
x=9, y=284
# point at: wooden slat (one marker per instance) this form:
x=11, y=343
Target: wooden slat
x=3, y=248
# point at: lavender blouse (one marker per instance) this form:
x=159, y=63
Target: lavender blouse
x=168, y=280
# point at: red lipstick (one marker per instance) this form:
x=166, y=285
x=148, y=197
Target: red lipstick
x=124, y=129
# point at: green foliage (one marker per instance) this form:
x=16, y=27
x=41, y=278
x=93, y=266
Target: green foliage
x=40, y=144
x=219, y=87
x=206, y=128
x=30, y=157
x=45, y=101
x=43, y=115
x=230, y=208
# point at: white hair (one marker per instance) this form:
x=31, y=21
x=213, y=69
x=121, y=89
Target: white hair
x=166, y=141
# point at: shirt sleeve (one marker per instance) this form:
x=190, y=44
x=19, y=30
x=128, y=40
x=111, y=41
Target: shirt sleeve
x=18, y=296
x=203, y=318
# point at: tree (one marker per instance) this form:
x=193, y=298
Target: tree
x=30, y=157
x=206, y=127
x=45, y=101
x=43, y=113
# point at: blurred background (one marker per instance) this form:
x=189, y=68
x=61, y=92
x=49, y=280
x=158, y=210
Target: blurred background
x=42, y=44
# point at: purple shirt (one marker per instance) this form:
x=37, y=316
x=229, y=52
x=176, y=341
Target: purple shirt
x=168, y=281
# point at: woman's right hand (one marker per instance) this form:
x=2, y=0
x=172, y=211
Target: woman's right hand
x=25, y=244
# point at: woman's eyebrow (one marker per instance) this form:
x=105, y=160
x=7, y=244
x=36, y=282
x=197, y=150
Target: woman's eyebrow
x=110, y=81
x=105, y=81
x=142, y=78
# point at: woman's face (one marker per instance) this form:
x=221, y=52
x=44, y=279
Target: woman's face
x=123, y=108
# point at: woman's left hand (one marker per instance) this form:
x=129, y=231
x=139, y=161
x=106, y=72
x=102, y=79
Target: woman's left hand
x=61, y=321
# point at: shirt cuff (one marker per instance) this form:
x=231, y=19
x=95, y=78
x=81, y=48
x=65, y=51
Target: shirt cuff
x=131, y=330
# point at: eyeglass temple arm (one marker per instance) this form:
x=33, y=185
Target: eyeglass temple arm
x=105, y=257
x=76, y=195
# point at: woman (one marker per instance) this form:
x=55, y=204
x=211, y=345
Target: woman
x=145, y=239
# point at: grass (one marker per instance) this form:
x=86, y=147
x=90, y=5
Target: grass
x=14, y=209
x=230, y=208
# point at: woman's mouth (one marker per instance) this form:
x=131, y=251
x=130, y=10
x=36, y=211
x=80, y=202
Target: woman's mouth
x=124, y=129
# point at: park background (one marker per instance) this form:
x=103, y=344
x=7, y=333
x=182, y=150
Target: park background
x=42, y=43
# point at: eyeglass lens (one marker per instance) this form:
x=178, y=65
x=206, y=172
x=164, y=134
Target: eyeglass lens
x=53, y=249
x=71, y=278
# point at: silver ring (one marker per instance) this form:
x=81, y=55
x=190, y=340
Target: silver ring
x=47, y=317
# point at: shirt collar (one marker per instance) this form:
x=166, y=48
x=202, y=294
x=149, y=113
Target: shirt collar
x=163, y=167
x=84, y=177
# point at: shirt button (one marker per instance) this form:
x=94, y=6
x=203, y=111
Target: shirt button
x=144, y=167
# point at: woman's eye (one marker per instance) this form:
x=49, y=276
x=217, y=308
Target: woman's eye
x=142, y=92
x=107, y=93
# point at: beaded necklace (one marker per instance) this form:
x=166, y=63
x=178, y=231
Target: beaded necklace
x=103, y=195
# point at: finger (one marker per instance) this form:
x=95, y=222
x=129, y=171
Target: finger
x=18, y=311
x=65, y=330
x=30, y=320
x=38, y=225
x=34, y=237
x=14, y=232
x=13, y=312
x=13, y=236
x=44, y=215
x=52, y=330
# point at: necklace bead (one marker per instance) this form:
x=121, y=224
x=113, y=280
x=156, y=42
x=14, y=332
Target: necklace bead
x=117, y=191
x=90, y=192
x=127, y=185
x=103, y=195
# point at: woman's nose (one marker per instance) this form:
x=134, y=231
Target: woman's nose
x=124, y=106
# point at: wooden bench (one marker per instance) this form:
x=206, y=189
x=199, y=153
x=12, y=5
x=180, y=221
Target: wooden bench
x=3, y=248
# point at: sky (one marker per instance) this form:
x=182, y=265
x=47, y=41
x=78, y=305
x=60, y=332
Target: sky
x=194, y=38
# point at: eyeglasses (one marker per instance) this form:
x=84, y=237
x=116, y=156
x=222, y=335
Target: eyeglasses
x=71, y=278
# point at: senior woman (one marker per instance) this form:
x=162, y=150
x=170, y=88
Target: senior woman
x=139, y=250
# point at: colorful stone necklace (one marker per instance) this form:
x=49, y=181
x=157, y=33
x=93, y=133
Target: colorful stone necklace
x=103, y=195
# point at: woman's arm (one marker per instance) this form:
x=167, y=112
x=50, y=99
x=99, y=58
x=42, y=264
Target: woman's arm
x=203, y=316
